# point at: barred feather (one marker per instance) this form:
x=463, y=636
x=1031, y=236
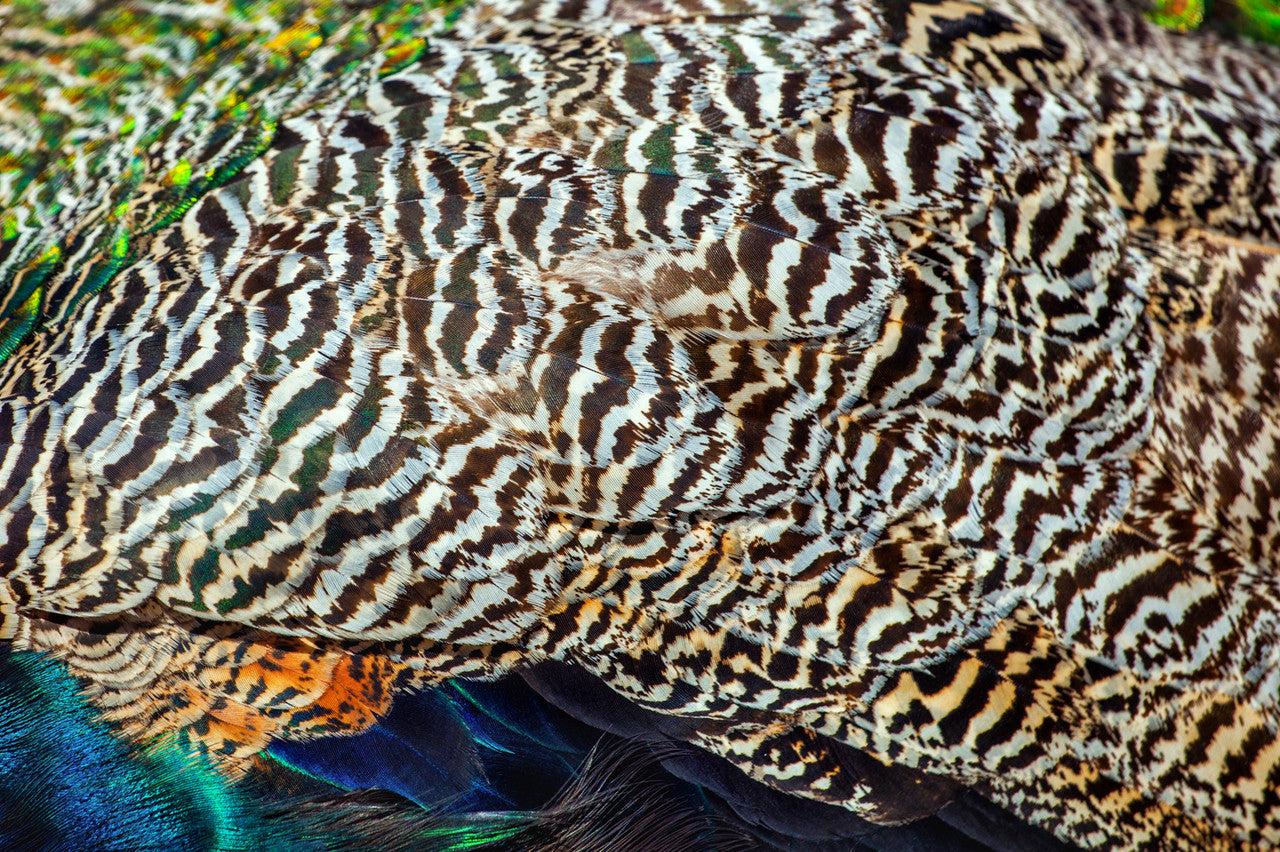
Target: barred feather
x=877, y=398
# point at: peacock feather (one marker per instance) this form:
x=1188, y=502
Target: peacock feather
x=1259, y=19
x=646, y=425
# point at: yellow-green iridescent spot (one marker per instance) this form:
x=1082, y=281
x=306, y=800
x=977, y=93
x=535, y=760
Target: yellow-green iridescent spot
x=1256, y=19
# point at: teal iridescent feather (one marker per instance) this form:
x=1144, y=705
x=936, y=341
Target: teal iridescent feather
x=67, y=783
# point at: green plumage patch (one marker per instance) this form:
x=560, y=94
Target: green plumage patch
x=1256, y=19
x=104, y=95
x=67, y=783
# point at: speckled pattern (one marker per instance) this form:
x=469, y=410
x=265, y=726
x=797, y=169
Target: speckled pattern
x=897, y=375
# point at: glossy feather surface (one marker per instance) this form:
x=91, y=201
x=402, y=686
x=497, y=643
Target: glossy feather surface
x=878, y=397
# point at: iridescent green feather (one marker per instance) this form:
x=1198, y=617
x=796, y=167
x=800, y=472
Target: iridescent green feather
x=1256, y=19
x=98, y=101
x=67, y=783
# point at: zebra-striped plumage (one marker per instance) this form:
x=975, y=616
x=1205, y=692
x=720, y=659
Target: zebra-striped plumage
x=892, y=375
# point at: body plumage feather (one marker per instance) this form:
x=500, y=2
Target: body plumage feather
x=880, y=394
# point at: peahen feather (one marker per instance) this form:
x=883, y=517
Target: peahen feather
x=640, y=425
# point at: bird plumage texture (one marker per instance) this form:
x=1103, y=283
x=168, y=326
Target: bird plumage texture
x=882, y=394
x=71, y=785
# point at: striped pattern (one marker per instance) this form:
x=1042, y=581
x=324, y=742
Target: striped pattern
x=895, y=379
